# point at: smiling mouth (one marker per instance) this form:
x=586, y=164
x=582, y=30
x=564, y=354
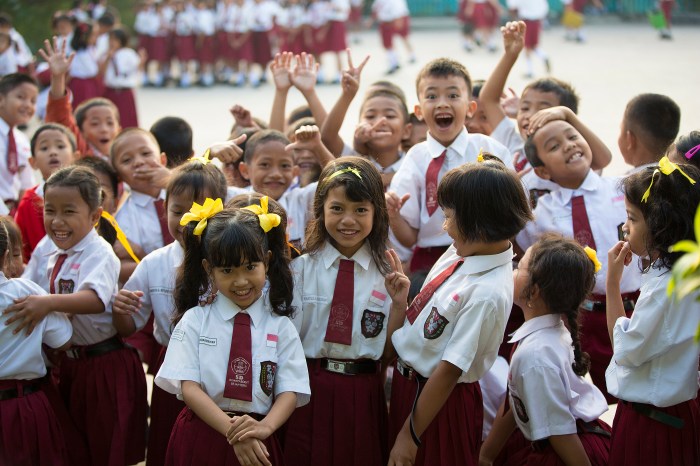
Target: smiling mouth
x=444, y=120
x=575, y=157
x=243, y=293
x=61, y=235
x=348, y=233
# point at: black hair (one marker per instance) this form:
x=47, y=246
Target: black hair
x=120, y=35
x=417, y=281
x=59, y=16
x=259, y=138
x=52, y=127
x=4, y=244
x=199, y=179
x=443, y=68
x=564, y=275
x=174, y=136
x=81, y=178
x=496, y=207
x=565, y=91
x=476, y=90
x=367, y=187
x=299, y=113
x=82, y=109
x=11, y=81
x=390, y=93
x=655, y=119
x=231, y=238
x=107, y=19
x=98, y=165
x=81, y=35
x=669, y=210
x=687, y=142
x=5, y=19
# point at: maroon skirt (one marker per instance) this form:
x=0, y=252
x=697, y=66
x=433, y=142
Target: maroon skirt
x=145, y=43
x=262, y=51
x=483, y=17
x=124, y=100
x=242, y=53
x=292, y=42
x=160, y=49
x=206, y=51
x=106, y=397
x=516, y=446
x=83, y=89
x=454, y=436
x=345, y=423
x=336, y=38
x=30, y=434
x=146, y=343
x=425, y=258
x=386, y=31
x=642, y=441
x=184, y=48
x=165, y=408
x=194, y=443
x=532, y=33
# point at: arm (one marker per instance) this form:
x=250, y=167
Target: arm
x=245, y=427
x=490, y=96
x=618, y=257
x=397, y=285
x=570, y=449
x=281, y=70
x=204, y=407
x=503, y=426
x=304, y=79
x=126, y=303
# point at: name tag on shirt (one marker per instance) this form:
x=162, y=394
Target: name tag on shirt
x=207, y=341
x=315, y=299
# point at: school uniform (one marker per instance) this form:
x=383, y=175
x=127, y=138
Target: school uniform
x=30, y=219
x=145, y=25
x=161, y=50
x=393, y=18
x=139, y=219
x=262, y=25
x=462, y=323
x=31, y=433
x=58, y=110
x=548, y=398
x=345, y=377
x=412, y=177
x=35, y=270
x=338, y=14
x=184, y=35
x=317, y=19
x=238, y=25
x=654, y=374
x=102, y=46
x=23, y=177
x=155, y=276
x=291, y=20
x=23, y=54
x=206, y=334
x=532, y=12
x=555, y=213
x=121, y=77
x=84, y=80
x=8, y=60
x=205, y=28
x=102, y=381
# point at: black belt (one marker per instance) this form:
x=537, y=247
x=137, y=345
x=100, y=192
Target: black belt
x=408, y=372
x=598, y=302
x=348, y=367
x=21, y=388
x=98, y=349
x=581, y=428
x=652, y=412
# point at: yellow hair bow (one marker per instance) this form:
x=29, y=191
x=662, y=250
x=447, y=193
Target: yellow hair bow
x=352, y=170
x=666, y=167
x=590, y=252
x=480, y=157
x=268, y=221
x=203, y=159
x=121, y=237
x=202, y=213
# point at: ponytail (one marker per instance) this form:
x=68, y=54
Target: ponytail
x=191, y=279
x=582, y=361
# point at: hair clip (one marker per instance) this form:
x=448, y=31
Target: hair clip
x=480, y=157
x=268, y=221
x=121, y=237
x=202, y=213
x=593, y=256
x=689, y=155
x=203, y=159
x=666, y=167
x=352, y=170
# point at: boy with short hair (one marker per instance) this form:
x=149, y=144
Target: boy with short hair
x=18, y=94
x=444, y=95
x=649, y=126
x=174, y=136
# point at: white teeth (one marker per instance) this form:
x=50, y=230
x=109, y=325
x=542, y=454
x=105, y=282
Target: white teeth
x=242, y=293
x=60, y=235
x=575, y=157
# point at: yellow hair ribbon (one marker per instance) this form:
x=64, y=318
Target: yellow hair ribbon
x=666, y=167
x=203, y=159
x=480, y=157
x=121, y=237
x=268, y=221
x=202, y=213
x=352, y=170
x=590, y=252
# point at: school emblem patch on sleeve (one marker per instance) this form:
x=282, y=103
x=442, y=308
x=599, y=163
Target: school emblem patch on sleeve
x=65, y=286
x=268, y=369
x=372, y=323
x=520, y=409
x=434, y=325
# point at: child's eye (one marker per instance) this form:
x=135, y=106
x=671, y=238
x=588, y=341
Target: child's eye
x=554, y=147
x=226, y=270
x=454, y=96
x=362, y=210
x=251, y=267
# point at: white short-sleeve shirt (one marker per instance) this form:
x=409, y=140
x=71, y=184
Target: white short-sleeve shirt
x=138, y=218
x=199, y=351
x=655, y=356
x=410, y=178
x=206, y=22
x=39, y=262
x=605, y=207
x=21, y=354
x=85, y=63
x=464, y=321
x=11, y=185
x=155, y=276
x=546, y=395
x=494, y=386
x=314, y=283
x=123, y=69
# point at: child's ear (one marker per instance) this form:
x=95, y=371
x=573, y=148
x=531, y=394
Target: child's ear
x=95, y=215
x=418, y=112
x=245, y=172
x=163, y=159
x=407, y=131
x=32, y=162
x=206, y=267
x=630, y=141
x=543, y=173
x=471, y=108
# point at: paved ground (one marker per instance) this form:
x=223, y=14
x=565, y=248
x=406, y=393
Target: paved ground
x=619, y=61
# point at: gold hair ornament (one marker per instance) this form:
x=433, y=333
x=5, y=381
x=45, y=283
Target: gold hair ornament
x=590, y=252
x=352, y=170
x=480, y=157
x=666, y=167
x=267, y=220
x=201, y=213
x=203, y=159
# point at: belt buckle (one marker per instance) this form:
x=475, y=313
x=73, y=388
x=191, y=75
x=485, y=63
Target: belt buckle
x=336, y=366
x=406, y=371
x=73, y=353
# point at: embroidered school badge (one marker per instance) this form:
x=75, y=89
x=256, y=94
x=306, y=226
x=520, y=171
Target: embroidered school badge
x=240, y=366
x=434, y=325
x=268, y=369
x=520, y=409
x=65, y=286
x=372, y=323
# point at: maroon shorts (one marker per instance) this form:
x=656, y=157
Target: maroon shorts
x=532, y=33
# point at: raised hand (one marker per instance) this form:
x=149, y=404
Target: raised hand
x=394, y=203
x=513, y=37
x=281, y=68
x=364, y=132
x=396, y=282
x=546, y=115
x=229, y=151
x=55, y=56
x=242, y=116
x=350, y=81
x=510, y=103
x=304, y=75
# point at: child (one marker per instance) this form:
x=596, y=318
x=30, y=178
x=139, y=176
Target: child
x=150, y=287
x=122, y=76
x=444, y=95
x=101, y=380
x=14, y=265
x=263, y=14
x=53, y=147
x=654, y=368
x=18, y=93
x=453, y=328
x=686, y=149
x=532, y=13
x=254, y=377
x=344, y=338
x=649, y=126
x=555, y=407
x=184, y=44
x=134, y=154
x=291, y=22
x=62, y=25
x=160, y=51
x=561, y=154
x=104, y=26
x=174, y=137
x=8, y=55
x=394, y=19
x=336, y=37
x=484, y=16
x=205, y=30
x=84, y=69
x=31, y=433
x=96, y=122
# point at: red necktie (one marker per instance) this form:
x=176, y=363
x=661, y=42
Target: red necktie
x=12, y=164
x=54, y=272
x=163, y=220
x=339, y=329
x=427, y=292
x=239, y=375
x=431, y=182
x=582, y=228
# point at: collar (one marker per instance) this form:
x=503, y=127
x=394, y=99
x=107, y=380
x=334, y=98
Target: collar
x=478, y=264
x=459, y=145
x=144, y=200
x=82, y=244
x=3, y=278
x=39, y=189
x=330, y=255
x=4, y=128
x=653, y=273
x=590, y=184
x=227, y=309
x=535, y=324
